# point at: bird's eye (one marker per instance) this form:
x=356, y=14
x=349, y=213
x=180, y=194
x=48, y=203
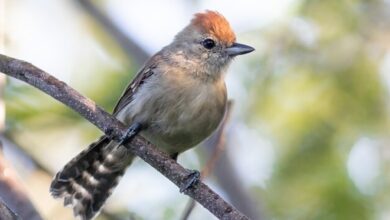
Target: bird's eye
x=208, y=43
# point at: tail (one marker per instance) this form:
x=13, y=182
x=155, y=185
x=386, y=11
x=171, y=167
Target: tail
x=89, y=179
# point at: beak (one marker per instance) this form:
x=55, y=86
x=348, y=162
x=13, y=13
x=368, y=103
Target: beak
x=238, y=49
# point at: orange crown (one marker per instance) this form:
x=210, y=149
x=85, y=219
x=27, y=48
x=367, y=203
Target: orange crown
x=215, y=24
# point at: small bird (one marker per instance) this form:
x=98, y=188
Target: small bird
x=175, y=101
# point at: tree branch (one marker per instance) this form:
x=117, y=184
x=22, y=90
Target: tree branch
x=115, y=129
x=128, y=45
x=218, y=148
x=13, y=193
x=7, y=213
x=228, y=180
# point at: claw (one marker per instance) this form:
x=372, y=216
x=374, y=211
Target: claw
x=133, y=130
x=190, y=180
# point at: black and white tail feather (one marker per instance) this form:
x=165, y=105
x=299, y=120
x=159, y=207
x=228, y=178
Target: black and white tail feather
x=88, y=179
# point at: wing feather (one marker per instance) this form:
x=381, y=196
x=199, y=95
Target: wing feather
x=132, y=88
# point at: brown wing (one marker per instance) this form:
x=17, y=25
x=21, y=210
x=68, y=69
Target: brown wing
x=131, y=89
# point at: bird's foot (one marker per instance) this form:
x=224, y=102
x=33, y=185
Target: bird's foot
x=131, y=132
x=192, y=178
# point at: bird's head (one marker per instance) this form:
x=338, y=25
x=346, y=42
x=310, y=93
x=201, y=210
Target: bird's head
x=209, y=42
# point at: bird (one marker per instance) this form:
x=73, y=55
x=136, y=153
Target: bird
x=176, y=100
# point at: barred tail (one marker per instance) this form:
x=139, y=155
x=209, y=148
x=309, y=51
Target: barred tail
x=88, y=179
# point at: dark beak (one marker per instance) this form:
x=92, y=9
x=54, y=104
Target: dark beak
x=238, y=49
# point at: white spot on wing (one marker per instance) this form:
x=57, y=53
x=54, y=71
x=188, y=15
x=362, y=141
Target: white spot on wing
x=103, y=169
x=110, y=157
x=77, y=187
x=91, y=179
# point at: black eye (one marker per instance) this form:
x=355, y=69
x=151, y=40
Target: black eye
x=208, y=43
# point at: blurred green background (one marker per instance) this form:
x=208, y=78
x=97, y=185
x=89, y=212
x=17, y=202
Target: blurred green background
x=309, y=132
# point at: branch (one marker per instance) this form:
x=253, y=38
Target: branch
x=115, y=129
x=128, y=45
x=7, y=213
x=219, y=135
x=13, y=193
x=229, y=181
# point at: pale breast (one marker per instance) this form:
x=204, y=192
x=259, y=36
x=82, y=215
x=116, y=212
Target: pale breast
x=179, y=113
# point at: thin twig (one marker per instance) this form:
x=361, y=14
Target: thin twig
x=219, y=135
x=6, y=212
x=132, y=49
x=229, y=181
x=220, y=164
x=115, y=129
x=220, y=143
x=13, y=193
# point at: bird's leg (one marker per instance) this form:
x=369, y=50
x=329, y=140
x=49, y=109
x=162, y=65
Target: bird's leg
x=133, y=130
x=190, y=180
x=174, y=156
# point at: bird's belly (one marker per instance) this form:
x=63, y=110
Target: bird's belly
x=184, y=130
x=176, y=116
